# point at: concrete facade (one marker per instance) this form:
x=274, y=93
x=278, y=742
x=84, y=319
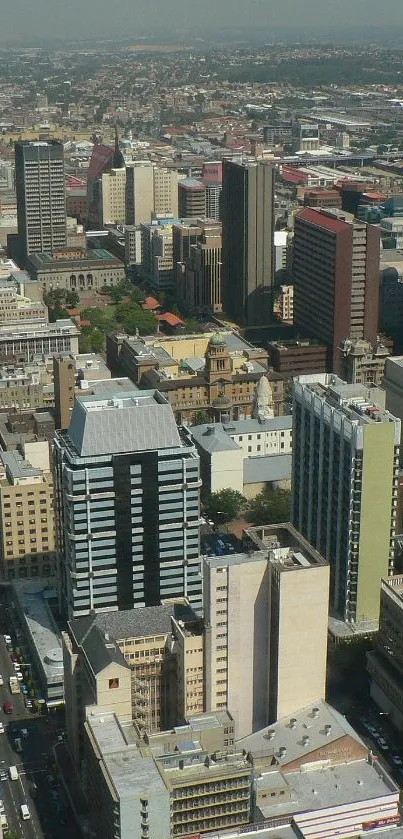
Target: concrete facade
x=249, y=609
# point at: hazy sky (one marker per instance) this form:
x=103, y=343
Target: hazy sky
x=25, y=19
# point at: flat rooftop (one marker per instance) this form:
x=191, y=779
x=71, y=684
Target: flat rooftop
x=33, y=329
x=33, y=600
x=18, y=469
x=282, y=540
x=91, y=257
x=357, y=402
x=321, y=723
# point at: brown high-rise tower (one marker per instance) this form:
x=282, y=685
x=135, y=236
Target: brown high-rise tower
x=336, y=279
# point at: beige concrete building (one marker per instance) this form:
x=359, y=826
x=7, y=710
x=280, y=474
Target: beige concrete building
x=113, y=196
x=76, y=269
x=361, y=363
x=161, y=649
x=284, y=304
x=251, y=633
x=139, y=192
x=15, y=308
x=166, y=191
x=27, y=530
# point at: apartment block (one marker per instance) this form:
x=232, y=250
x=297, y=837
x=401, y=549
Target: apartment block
x=127, y=488
x=182, y=782
x=139, y=192
x=113, y=196
x=27, y=527
x=336, y=279
x=345, y=483
x=15, y=308
x=385, y=663
x=250, y=603
x=163, y=648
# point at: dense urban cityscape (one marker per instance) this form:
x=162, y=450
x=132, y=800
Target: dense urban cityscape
x=201, y=455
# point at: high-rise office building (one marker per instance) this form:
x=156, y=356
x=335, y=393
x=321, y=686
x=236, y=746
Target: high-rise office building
x=166, y=191
x=127, y=487
x=251, y=635
x=344, y=487
x=248, y=241
x=113, y=196
x=41, y=196
x=336, y=279
x=139, y=192
x=191, y=198
x=198, y=280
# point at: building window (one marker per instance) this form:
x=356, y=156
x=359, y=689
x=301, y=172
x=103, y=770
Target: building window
x=113, y=683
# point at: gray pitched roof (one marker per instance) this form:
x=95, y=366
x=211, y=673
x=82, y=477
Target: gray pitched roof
x=99, y=651
x=125, y=423
x=212, y=438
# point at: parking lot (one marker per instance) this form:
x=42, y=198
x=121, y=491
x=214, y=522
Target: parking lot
x=217, y=543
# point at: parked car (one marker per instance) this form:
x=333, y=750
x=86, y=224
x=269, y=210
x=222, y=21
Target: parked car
x=1, y=681
x=8, y=707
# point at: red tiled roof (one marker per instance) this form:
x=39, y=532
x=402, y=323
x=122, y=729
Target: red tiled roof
x=322, y=220
x=151, y=303
x=170, y=318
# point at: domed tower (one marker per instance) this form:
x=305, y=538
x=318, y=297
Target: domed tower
x=218, y=359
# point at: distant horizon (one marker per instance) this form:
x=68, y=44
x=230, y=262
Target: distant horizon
x=45, y=21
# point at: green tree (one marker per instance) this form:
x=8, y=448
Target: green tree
x=201, y=418
x=58, y=313
x=271, y=506
x=71, y=299
x=224, y=505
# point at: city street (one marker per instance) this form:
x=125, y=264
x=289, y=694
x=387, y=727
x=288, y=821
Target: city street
x=51, y=816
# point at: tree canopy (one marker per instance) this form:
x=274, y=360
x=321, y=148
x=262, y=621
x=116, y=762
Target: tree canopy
x=271, y=506
x=224, y=505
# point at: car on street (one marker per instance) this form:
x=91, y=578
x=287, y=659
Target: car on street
x=1, y=681
x=7, y=639
x=1, y=728
x=3, y=776
x=397, y=760
x=382, y=744
x=8, y=707
x=19, y=676
x=14, y=657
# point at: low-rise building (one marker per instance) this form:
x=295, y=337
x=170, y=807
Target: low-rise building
x=145, y=665
x=295, y=358
x=76, y=269
x=41, y=639
x=362, y=363
x=216, y=373
x=194, y=780
x=15, y=308
x=27, y=529
x=35, y=339
x=246, y=455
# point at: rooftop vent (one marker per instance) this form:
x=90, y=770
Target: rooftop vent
x=305, y=740
x=271, y=734
x=293, y=722
x=282, y=751
x=315, y=713
x=328, y=729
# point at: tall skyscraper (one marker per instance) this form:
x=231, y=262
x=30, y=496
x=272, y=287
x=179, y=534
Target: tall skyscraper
x=250, y=604
x=248, y=241
x=127, y=495
x=113, y=196
x=41, y=196
x=198, y=279
x=139, y=193
x=344, y=480
x=336, y=279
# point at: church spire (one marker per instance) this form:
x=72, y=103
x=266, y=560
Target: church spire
x=118, y=161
